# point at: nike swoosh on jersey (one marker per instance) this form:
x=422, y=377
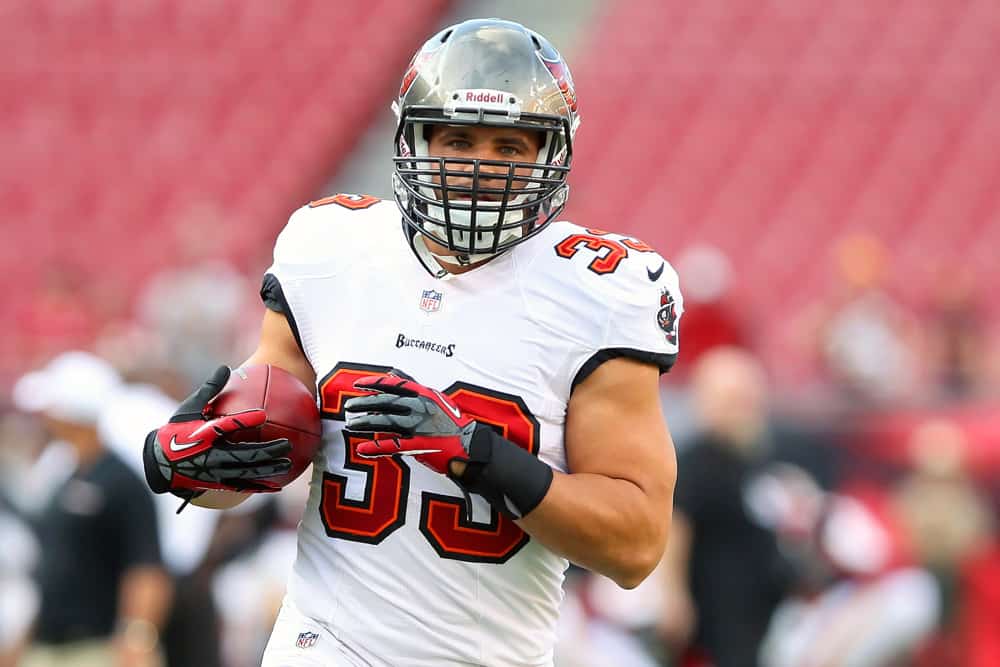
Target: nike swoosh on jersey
x=174, y=447
x=655, y=275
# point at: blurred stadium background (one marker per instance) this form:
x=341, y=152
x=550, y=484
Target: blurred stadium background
x=824, y=174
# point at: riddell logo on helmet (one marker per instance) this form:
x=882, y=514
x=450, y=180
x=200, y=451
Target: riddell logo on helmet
x=484, y=98
x=488, y=96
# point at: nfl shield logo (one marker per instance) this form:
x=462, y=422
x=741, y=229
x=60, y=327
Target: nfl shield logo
x=306, y=639
x=430, y=301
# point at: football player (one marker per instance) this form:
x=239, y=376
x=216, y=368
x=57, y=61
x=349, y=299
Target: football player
x=488, y=378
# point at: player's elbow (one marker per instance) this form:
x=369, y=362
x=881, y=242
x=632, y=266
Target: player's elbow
x=630, y=582
x=639, y=564
x=642, y=555
x=643, y=550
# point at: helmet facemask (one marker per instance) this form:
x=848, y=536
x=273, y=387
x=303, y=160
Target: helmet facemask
x=474, y=207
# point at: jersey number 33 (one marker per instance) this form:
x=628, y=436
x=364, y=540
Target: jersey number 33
x=443, y=521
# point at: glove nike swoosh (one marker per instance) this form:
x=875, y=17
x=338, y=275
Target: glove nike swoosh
x=451, y=408
x=389, y=452
x=174, y=447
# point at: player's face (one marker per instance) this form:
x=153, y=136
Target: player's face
x=505, y=144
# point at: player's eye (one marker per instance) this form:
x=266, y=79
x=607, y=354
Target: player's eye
x=459, y=144
x=510, y=151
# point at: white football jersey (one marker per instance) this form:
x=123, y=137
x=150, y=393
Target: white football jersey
x=387, y=560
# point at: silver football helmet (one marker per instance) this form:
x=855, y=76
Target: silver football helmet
x=483, y=72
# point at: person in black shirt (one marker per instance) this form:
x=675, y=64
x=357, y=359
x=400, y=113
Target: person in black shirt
x=726, y=572
x=103, y=590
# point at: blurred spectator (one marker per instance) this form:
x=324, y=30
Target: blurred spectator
x=864, y=338
x=739, y=486
x=249, y=588
x=197, y=332
x=190, y=636
x=899, y=575
x=948, y=523
x=21, y=440
x=711, y=319
x=855, y=623
x=19, y=599
x=196, y=633
x=958, y=350
x=945, y=516
x=859, y=604
x=103, y=591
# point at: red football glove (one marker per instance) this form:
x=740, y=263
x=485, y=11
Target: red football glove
x=407, y=418
x=190, y=454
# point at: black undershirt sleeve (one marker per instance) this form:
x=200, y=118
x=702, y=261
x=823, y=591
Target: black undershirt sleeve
x=662, y=361
x=274, y=299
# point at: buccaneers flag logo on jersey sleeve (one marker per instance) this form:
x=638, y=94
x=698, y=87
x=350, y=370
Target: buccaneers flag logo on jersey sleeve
x=666, y=316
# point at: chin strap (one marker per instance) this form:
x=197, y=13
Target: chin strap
x=432, y=260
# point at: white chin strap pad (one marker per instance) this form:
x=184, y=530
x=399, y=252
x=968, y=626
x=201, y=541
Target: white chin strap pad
x=485, y=220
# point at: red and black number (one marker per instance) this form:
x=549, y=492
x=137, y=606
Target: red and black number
x=610, y=252
x=443, y=521
x=382, y=510
x=443, y=518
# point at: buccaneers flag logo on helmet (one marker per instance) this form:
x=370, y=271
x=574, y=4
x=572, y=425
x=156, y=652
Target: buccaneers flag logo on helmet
x=563, y=79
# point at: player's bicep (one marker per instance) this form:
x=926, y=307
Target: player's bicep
x=278, y=346
x=615, y=427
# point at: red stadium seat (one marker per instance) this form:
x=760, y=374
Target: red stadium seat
x=772, y=129
x=128, y=112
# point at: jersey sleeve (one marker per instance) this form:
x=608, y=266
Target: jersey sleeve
x=312, y=246
x=641, y=306
x=285, y=269
x=317, y=252
x=273, y=296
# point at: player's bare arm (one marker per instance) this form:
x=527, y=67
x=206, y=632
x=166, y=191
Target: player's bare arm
x=277, y=347
x=612, y=513
x=144, y=601
x=677, y=624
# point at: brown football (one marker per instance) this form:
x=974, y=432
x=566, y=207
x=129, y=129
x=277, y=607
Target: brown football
x=291, y=413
